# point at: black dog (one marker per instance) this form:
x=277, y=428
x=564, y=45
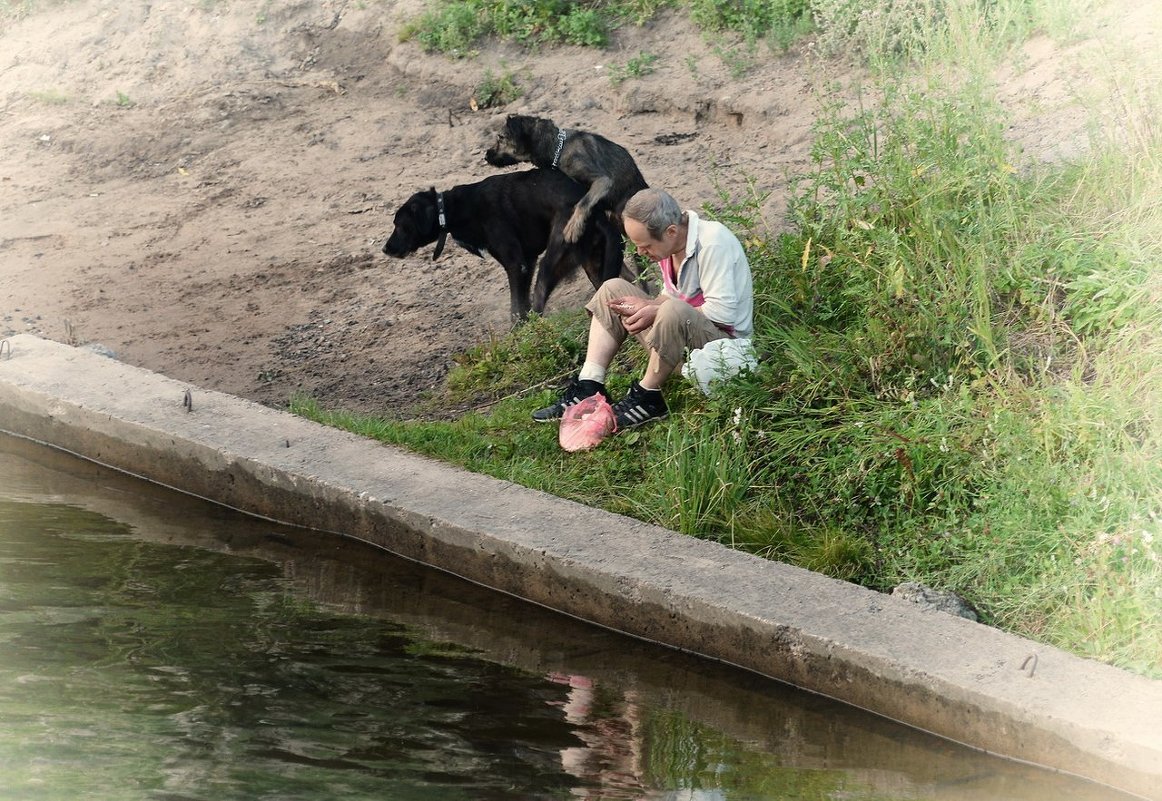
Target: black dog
x=606, y=168
x=514, y=217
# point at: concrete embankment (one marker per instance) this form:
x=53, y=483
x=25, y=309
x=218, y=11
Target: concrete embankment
x=934, y=671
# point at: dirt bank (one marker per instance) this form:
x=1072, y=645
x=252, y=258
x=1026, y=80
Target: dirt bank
x=204, y=188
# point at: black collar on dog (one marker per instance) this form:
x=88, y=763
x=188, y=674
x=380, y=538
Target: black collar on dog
x=443, y=220
x=561, y=134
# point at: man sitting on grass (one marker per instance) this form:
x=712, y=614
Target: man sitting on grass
x=707, y=295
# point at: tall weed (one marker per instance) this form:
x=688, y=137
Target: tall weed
x=946, y=32
x=904, y=219
x=706, y=474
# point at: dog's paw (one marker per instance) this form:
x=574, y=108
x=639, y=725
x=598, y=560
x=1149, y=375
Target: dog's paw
x=574, y=228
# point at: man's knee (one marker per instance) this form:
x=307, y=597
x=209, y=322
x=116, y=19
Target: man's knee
x=675, y=315
x=616, y=288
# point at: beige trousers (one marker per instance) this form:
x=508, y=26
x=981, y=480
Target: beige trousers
x=677, y=328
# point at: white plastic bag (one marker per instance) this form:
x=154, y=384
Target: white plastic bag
x=719, y=360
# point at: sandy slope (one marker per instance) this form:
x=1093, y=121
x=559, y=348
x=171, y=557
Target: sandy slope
x=204, y=188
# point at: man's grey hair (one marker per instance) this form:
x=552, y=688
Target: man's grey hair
x=655, y=209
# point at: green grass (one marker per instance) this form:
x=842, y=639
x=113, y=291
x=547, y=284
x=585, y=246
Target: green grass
x=778, y=22
x=50, y=97
x=961, y=378
x=456, y=27
x=636, y=67
x=496, y=90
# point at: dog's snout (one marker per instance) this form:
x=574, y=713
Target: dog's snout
x=393, y=248
x=497, y=158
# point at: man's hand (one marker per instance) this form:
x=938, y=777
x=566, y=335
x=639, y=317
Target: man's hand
x=637, y=314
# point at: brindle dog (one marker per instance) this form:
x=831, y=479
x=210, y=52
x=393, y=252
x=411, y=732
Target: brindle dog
x=514, y=218
x=606, y=168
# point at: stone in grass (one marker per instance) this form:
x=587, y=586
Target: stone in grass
x=941, y=600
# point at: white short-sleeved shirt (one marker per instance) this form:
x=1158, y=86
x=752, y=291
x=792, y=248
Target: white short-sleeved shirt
x=715, y=276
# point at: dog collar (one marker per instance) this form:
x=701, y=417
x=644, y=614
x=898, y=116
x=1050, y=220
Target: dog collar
x=443, y=220
x=561, y=134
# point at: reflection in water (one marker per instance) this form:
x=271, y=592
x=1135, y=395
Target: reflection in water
x=156, y=647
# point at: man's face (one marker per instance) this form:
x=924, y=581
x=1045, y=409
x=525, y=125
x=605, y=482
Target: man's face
x=653, y=249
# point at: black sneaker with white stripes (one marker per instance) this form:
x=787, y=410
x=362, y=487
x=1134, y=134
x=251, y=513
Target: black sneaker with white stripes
x=639, y=406
x=578, y=390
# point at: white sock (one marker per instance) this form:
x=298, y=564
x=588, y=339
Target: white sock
x=591, y=371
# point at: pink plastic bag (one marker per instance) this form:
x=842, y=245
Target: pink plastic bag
x=586, y=423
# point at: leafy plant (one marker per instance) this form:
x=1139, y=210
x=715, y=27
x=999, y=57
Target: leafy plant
x=454, y=27
x=496, y=90
x=583, y=26
x=636, y=67
x=753, y=19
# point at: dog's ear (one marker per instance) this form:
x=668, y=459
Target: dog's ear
x=420, y=217
x=430, y=220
